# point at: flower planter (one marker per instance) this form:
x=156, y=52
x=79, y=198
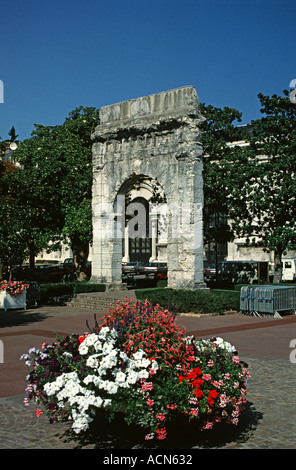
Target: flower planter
x=138, y=360
x=8, y=301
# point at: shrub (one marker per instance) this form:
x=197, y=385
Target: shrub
x=197, y=301
x=84, y=287
x=68, y=289
x=49, y=291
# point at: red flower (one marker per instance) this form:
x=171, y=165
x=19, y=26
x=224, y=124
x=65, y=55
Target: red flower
x=39, y=412
x=212, y=396
x=197, y=383
x=161, y=433
x=198, y=393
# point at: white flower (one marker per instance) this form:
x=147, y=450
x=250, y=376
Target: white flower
x=132, y=377
x=83, y=349
x=143, y=374
x=138, y=355
x=201, y=345
x=224, y=345
x=67, y=354
x=124, y=356
x=154, y=366
x=92, y=361
x=81, y=422
x=110, y=387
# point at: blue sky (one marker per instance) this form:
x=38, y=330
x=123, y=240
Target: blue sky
x=57, y=55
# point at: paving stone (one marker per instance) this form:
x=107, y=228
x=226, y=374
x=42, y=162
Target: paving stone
x=268, y=422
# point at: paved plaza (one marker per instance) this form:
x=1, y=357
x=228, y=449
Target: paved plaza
x=268, y=422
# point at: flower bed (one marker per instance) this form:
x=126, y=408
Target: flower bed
x=138, y=359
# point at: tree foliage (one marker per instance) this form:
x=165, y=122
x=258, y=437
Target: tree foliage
x=218, y=130
x=263, y=200
x=254, y=184
x=53, y=183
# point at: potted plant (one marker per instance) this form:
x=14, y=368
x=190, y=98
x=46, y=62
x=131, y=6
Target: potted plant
x=138, y=359
x=12, y=295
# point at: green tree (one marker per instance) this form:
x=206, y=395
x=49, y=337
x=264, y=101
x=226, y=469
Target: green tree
x=12, y=134
x=218, y=130
x=21, y=218
x=263, y=197
x=56, y=170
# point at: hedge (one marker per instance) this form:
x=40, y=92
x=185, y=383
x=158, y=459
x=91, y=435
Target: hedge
x=197, y=301
x=177, y=300
x=67, y=289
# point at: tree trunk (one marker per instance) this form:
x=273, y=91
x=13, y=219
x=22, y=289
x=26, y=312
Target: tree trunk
x=80, y=255
x=32, y=255
x=216, y=262
x=277, y=278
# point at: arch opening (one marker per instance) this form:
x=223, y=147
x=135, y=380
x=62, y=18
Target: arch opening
x=143, y=219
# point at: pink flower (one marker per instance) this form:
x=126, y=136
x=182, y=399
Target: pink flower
x=39, y=412
x=160, y=416
x=207, y=377
x=210, y=363
x=172, y=406
x=193, y=401
x=150, y=402
x=194, y=412
x=161, y=433
x=208, y=426
x=26, y=402
x=235, y=359
x=223, y=400
x=147, y=386
x=149, y=436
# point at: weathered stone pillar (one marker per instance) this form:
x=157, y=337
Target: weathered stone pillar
x=156, y=136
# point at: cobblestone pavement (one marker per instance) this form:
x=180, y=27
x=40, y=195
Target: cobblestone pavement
x=268, y=422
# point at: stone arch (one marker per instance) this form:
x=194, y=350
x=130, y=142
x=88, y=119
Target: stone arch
x=156, y=136
x=142, y=195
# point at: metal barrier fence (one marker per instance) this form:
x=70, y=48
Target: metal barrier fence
x=33, y=293
x=267, y=300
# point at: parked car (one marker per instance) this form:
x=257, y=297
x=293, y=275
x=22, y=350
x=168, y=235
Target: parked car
x=42, y=273
x=155, y=269
x=210, y=272
x=133, y=267
x=70, y=269
x=289, y=269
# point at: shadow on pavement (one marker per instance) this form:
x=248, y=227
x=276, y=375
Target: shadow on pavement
x=20, y=317
x=180, y=435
